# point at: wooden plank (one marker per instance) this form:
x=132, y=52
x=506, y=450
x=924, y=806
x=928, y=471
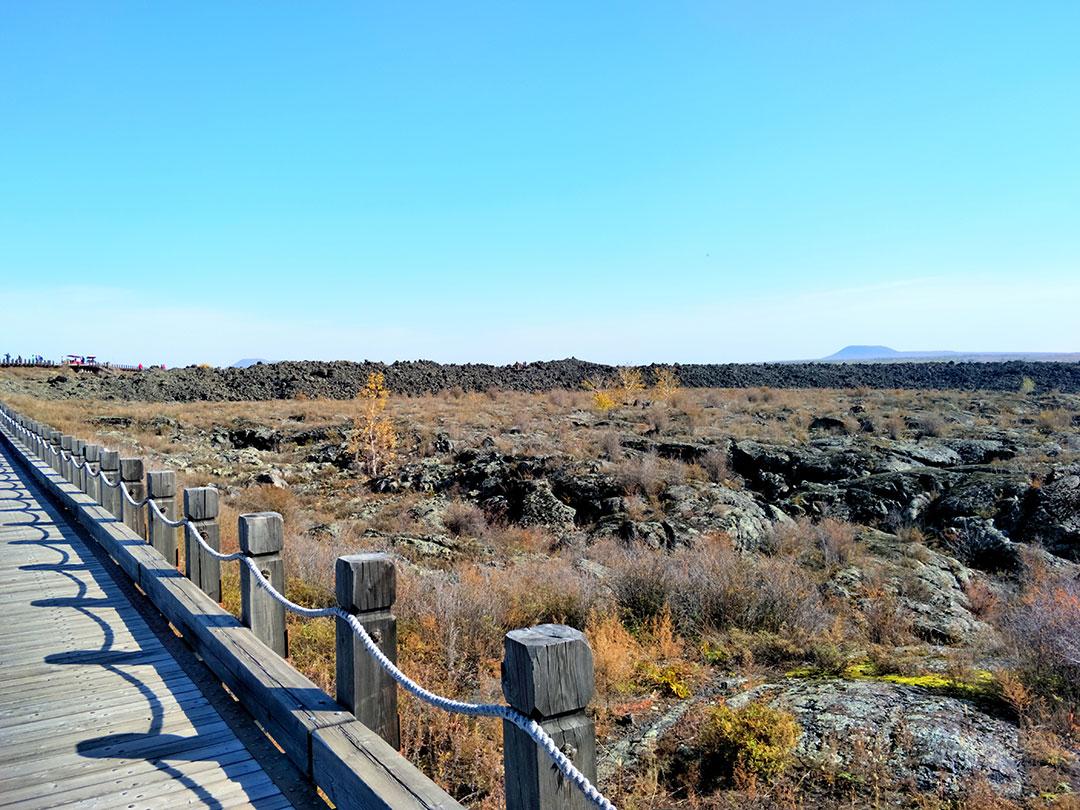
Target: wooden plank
x=167, y=747
x=97, y=701
x=87, y=771
x=138, y=716
x=44, y=795
x=125, y=735
x=162, y=792
x=359, y=770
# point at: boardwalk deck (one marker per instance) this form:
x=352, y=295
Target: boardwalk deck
x=94, y=710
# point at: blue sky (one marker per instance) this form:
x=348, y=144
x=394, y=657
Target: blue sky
x=624, y=182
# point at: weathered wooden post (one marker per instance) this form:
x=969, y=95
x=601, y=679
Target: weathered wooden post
x=366, y=585
x=55, y=458
x=131, y=474
x=54, y=449
x=92, y=485
x=108, y=496
x=60, y=465
x=547, y=675
x=65, y=468
x=161, y=488
x=77, y=471
x=201, y=508
x=262, y=537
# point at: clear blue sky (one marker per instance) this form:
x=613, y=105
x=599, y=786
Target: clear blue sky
x=675, y=181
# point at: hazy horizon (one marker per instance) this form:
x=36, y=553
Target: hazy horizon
x=487, y=182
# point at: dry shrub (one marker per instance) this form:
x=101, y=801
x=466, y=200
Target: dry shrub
x=610, y=444
x=983, y=600
x=711, y=588
x=716, y=466
x=659, y=421
x=1055, y=420
x=312, y=649
x=616, y=654
x=451, y=630
x=895, y=427
x=561, y=398
x=641, y=586
x=829, y=542
x=1013, y=691
x=932, y=424
x=836, y=541
x=885, y=621
x=743, y=745
x=1044, y=627
x=464, y=519
x=641, y=475
x=511, y=537
x=664, y=666
x=267, y=498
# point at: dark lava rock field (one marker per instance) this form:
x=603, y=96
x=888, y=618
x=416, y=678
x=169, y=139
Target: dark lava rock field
x=343, y=379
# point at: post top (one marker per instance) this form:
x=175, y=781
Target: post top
x=131, y=469
x=110, y=460
x=365, y=582
x=261, y=533
x=201, y=503
x=161, y=484
x=547, y=670
x=66, y=440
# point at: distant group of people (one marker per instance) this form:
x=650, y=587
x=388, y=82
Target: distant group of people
x=32, y=360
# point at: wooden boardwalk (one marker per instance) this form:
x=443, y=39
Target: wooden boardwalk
x=94, y=710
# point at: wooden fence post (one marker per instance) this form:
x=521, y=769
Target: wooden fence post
x=54, y=450
x=131, y=473
x=262, y=537
x=91, y=484
x=65, y=465
x=547, y=675
x=161, y=487
x=110, y=497
x=77, y=473
x=201, y=508
x=366, y=585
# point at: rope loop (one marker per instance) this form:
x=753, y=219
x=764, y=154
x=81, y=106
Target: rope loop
x=129, y=499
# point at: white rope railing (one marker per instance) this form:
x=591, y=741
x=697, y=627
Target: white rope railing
x=128, y=497
x=497, y=710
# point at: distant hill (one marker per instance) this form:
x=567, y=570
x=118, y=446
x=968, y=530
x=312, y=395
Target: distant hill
x=247, y=362
x=883, y=354
x=850, y=353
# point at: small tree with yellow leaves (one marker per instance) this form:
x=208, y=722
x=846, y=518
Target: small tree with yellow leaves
x=603, y=400
x=665, y=384
x=630, y=384
x=373, y=438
